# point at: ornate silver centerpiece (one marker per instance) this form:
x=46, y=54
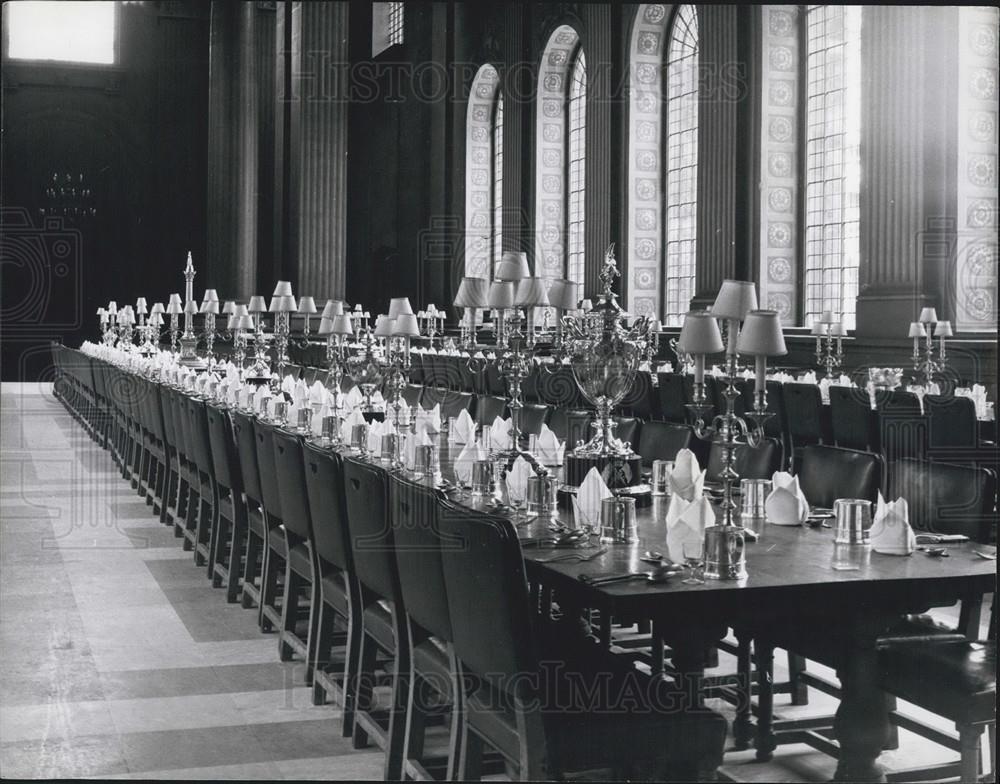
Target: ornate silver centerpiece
x=604, y=354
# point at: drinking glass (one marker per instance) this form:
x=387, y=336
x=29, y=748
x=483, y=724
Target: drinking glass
x=305, y=419
x=482, y=478
x=658, y=480
x=694, y=560
x=516, y=496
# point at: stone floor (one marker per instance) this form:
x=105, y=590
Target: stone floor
x=118, y=659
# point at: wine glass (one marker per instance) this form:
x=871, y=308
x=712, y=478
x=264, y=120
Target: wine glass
x=517, y=497
x=694, y=560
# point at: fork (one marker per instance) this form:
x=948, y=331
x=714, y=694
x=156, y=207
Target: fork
x=568, y=557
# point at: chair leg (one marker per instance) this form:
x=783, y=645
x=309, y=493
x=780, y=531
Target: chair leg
x=221, y=530
x=969, y=740
x=398, y=714
x=289, y=610
x=365, y=687
x=268, y=586
x=800, y=691
x=470, y=756
x=250, y=558
x=236, y=545
x=315, y=604
x=765, y=744
x=321, y=649
x=742, y=727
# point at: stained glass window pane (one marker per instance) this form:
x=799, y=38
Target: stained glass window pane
x=498, y=179
x=833, y=162
x=394, y=23
x=577, y=137
x=61, y=31
x=681, y=166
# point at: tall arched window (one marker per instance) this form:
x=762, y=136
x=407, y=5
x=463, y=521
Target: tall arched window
x=576, y=117
x=560, y=157
x=663, y=161
x=682, y=164
x=832, y=36
x=484, y=174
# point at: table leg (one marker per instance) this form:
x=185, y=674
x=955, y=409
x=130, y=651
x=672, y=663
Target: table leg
x=862, y=721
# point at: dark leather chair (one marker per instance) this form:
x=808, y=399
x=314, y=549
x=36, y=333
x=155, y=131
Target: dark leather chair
x=627, y=430
x=519, y=708
x=256, y=544
x=275, y=546
x=529, y=387
x=902, y=427
x=775, y=426
x=855, y=425
x=433, y=678
x=489, y=408
x=804, y=414
x=827, y=473
x=533, y=416
x=206, y=509
x=417, y=368
x=453, y=403
x=558, y=388
x=495, y=384
x=383, y=620
x=301, y=570
x=339, y=602
x=641, y=400
x=231, y=519
x=758, y=462
x=663, y=440
x=571, y=425
x=673, y=397
x=411, y=394
x=952, y=426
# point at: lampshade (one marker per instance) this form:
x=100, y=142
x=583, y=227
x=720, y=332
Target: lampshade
x=282, y=289
x=837, y=329
x=210, y=296
x=700, y=334
x=240, y=310
x=342, y=325
x=173, y=306
x=210, y=307
x=113, y=307
x=257, y=304
x=762, y=335
x=405, y=325
x=928, y=316
x=827, y=317
x=243, y=321
x=400, y=306
x=333, y=308
x=564, y=294
x=917, y=330
x=231, y=322
x=140, y=305
x=191, y=307
x=586, y=305
x=943, y=329
x=229, y=308
x=531, y=293
x=325, y=326
x=307, y=305
x=820, y=328
x=513, y=265
x=157, y=308
x=501, y=294
x=102, y=312
x=736, y=298
x=284, y=303
x=175, y=299
x=383, y=326
x=156, y=319
x=472, y=293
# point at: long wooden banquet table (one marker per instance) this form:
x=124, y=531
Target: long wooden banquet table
x=791, y=589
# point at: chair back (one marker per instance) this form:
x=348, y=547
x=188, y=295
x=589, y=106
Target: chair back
x=411, y=394
x=855, y=425
x=268, y=469
x=803, y=404
x=641, y=400
x=827, y=473
x=673, y=397
x=185, y=442
x=291, y=475
x=325, y=487
x=558, y=388
x=952, y=423
x=529, y=387
x=945, y=498
x=366, y=491
x=452, y=403
x=663, y=440
x=487, y=597
x=489, y=408
x=758, y=462
x=417, y=541
x=225, y=456
x=570, y=425
x=533, y=416
x=246, y=446
x=627, y=430
x=495, y=385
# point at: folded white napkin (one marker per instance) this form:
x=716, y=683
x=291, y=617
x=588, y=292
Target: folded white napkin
x=687, y=521
x=464, y=431
x=288, y=384
x=687, y=479
x=300, y=394
x=354, y=418
x=666, y=367
x=748, y=374
x=587, y=502
x=808, y=377
x=891, y=533
x=786, y=504
x=550, y=451
x=375, y=433
x=479, y=355
x=262, y=393
x=353, y=398
x=429, y=420
x=292, y=416
x=317, y=393
x=378, y=402
x=517, y=479
x=500, y=434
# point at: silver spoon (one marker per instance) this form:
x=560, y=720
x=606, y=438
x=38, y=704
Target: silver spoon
x=658, y=575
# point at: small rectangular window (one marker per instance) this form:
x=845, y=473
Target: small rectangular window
x=387, y=26
x=69, y=32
